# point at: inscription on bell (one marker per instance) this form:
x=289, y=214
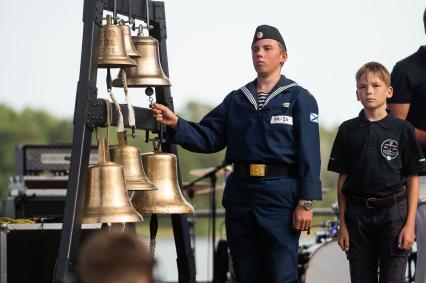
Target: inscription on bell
x=110, y=34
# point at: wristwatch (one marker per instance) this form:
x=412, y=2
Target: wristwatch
x=306, y=204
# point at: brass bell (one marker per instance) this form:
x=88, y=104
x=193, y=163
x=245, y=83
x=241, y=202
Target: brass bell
x=106, y=197
x=148, y=72
x=128, y=44
x=112, y=51
x=129, y=157
x=161, y=169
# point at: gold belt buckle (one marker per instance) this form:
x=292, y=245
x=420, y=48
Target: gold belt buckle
x=258, y=170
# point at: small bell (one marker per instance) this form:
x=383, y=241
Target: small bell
x=129, y=157
x=128, y=44
x=112, y=51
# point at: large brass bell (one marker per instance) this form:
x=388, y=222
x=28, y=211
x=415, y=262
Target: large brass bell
x=112, y=51
x=106, y=197
x=129, y=157
x=148, y=72
x=161, y=169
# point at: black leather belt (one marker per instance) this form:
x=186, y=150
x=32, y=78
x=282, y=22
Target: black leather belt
x=261, y=170
x=378, y=202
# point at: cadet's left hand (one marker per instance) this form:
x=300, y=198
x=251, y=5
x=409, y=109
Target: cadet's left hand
x=406, y=237
x=302, y=219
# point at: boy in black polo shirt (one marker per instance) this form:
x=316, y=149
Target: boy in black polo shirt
x=377, y=158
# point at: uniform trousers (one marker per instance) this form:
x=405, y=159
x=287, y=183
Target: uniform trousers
x=373, y=243
x=421, y=233
x=259, y=217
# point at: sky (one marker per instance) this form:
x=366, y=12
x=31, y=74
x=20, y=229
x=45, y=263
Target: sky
x=208, y=49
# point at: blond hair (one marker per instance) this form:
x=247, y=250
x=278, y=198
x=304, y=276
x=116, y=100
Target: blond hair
x=375, y=68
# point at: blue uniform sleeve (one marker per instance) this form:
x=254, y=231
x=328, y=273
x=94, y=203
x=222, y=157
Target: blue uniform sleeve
x=309, y=158
x=208, y=136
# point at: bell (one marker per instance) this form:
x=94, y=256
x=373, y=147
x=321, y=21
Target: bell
x=112, y=51
x=148, y=72
x=106, y=197
x=161, y=169
x=129, y=157
x=128, y=44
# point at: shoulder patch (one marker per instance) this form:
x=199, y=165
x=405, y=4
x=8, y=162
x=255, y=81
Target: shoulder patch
x=314, y=117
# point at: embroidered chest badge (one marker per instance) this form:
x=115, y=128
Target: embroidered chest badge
x=286, y=104
x=313, y=117
x=389, y=149
x=282, y=119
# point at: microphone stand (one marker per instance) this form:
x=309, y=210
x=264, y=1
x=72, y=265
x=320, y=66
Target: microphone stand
x=213, y=178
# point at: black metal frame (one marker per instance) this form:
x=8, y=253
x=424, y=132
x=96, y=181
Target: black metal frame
x=90, y=112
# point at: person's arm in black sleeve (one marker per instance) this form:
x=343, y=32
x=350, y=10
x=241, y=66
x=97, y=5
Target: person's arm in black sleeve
x=339, y=154
x=411, y=154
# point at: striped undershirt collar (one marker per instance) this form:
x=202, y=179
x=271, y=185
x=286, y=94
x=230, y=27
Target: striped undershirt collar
x=252, y=99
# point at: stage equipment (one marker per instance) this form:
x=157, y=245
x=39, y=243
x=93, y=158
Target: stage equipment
x=223, y=172
x=200, y=189
x=129, y=157
x=327, y=263
x=28, y=252
x=112, y=51
x=39, y=186
x=106, y=197
x=148, y=71
x=168, y=199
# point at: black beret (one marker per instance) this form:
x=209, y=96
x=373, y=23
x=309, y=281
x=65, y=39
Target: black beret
x=268, y=32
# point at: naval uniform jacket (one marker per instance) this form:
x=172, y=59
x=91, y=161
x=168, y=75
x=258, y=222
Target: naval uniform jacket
x=284, y=131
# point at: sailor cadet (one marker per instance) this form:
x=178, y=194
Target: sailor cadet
x=270, y=130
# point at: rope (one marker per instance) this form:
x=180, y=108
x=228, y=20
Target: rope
x=131, y=114
x=152, y=245
x=16, y=221
x=120, y=126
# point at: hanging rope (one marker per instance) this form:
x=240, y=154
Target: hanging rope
x=131, y=114
x=120, y=126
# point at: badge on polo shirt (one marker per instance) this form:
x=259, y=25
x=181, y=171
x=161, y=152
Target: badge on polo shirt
x=389, y=149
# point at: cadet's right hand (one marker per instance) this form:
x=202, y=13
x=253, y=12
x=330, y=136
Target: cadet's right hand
x=164, y=115
x=343, y=237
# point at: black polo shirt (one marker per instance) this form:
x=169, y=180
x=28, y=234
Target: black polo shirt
x=377, y=156
x=409, y=83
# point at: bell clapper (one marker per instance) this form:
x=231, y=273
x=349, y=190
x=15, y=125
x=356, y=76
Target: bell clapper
x=147, y=136
x=149, y=91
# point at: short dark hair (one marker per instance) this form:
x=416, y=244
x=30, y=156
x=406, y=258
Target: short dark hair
x=375, y=68
x=424, y=18
x=112, y=256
